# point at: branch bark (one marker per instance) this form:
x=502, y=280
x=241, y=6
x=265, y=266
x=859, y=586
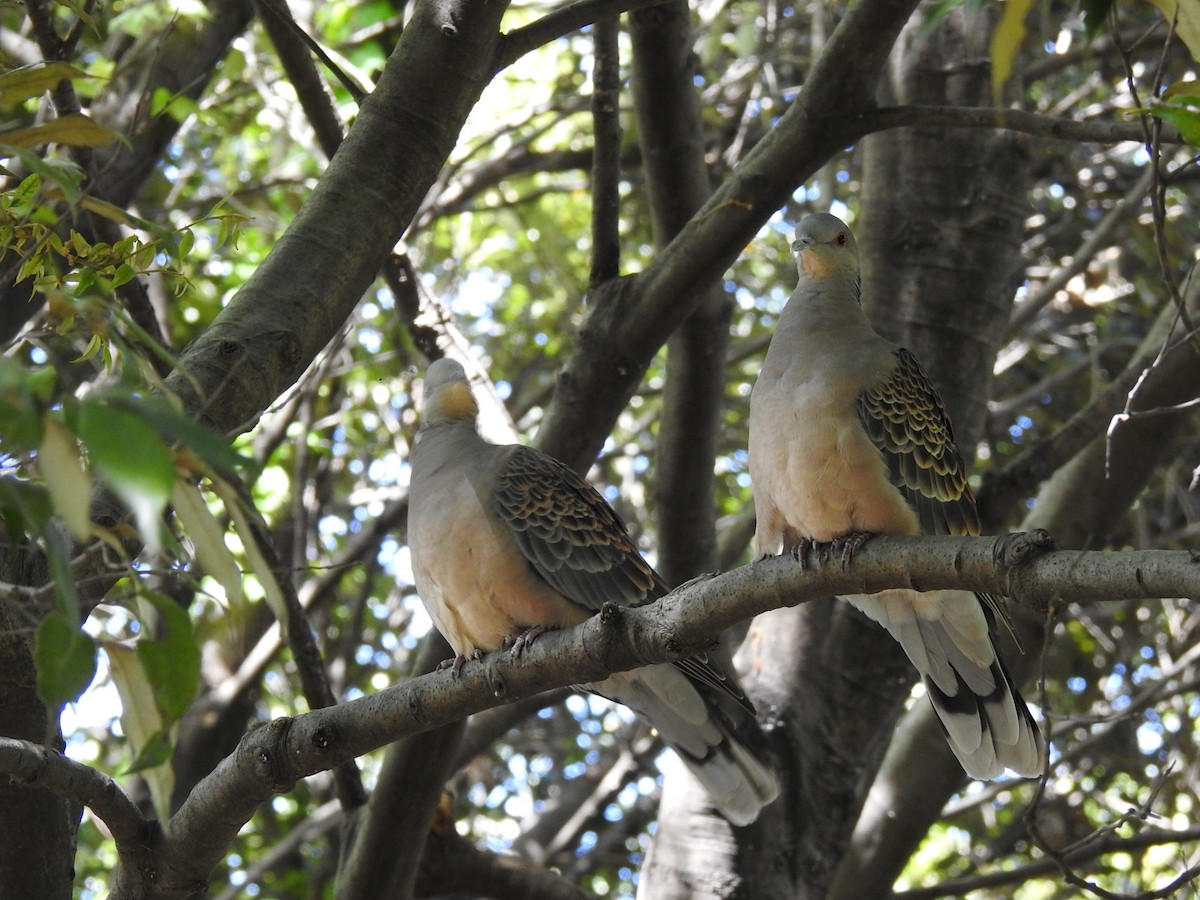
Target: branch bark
x=317, y=272
x=271, y=758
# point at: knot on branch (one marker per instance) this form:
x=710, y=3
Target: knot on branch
x=1011, y=552
x=1021, y=548
x=265, y=747
x=493, y=663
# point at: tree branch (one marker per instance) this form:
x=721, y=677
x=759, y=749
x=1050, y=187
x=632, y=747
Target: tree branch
x=671, y=135
x=917, y=116
x=271, y=758
x=606, y=154
x=960, y=887
x=39, y=766
x=562, y=21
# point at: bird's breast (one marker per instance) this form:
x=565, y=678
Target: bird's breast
x=475, y=583
x=819, y=468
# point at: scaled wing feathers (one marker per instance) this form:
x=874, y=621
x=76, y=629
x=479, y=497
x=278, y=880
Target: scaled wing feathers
x=570, y=534
x=907, y=422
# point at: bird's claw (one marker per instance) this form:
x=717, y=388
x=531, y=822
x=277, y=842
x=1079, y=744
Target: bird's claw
x=848, y=544
x=525, y=639
x=800, y=552
x=456, y=663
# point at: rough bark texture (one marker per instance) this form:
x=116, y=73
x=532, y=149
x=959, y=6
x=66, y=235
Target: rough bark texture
x=625, y=328
x=924, y=190
x=671, y=134
x=37, y=829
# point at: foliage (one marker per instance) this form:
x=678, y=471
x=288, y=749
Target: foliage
x=225, y=529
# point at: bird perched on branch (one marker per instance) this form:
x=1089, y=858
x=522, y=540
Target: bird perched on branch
x=849, y=438
x=507, y=541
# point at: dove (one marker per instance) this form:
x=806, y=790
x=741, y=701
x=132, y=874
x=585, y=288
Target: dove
x=849, y=438
x=506, y=541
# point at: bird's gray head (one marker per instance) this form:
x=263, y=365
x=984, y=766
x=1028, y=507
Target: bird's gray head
x=825, y=248
x=447, y=396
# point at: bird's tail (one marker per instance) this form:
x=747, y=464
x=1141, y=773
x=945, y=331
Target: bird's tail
x=737, y=781
x=947, y=637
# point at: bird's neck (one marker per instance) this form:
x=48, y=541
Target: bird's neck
x=824, y=305
x=454, y=405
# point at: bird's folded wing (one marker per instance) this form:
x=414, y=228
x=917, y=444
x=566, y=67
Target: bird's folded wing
x=575, y=541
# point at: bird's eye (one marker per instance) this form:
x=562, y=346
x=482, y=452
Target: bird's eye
x=840, y=240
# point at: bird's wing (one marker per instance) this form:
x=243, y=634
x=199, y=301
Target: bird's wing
x=570, y=534
x=906, y=420
x=579, y=545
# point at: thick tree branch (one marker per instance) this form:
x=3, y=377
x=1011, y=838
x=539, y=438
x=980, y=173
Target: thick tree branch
x=606, y=154
x=38, y=766
x=624, y=330
x=671, y=135
x=315, y=275
x=562, y=21
x=1037, y=124
x=273, y=757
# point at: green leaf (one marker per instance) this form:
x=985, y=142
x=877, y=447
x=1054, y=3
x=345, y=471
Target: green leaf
x=25, y=506
x=1095, y=15
x=53, y=170
x=1006, y=42
x=58, y=556
x=128, y=454
x=1184, y=92
x=1186, y=120
x=65, y=659
x=22, y=398
x=172, y=661
x=155, y=752
x=208, y=446
x=18, y=85
x=208, y=537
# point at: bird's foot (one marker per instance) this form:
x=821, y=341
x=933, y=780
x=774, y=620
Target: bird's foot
x=847, y=545
x=800, y=552
x=525, y=639
x=455, y=665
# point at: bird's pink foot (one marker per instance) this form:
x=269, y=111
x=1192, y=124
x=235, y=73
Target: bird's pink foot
x=454, y=665
x=525, y=639
x=800, y=552
x=847, y=545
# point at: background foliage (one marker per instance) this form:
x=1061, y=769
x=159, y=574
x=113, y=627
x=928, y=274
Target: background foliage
x=159, y=672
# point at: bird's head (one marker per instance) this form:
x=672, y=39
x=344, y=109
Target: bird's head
x=825, y=248
x=447, y=395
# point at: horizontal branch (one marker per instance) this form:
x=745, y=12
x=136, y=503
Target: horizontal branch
x=960, y=887
x=271, y=758
x=917, y=116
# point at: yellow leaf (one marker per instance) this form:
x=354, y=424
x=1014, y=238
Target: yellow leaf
x=76, y=130
x=19, y=85
x=141, y=719
x=258, y=563
x=1186, y=16
x=208, y=537
x=1006, y=42
x=69, y=483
